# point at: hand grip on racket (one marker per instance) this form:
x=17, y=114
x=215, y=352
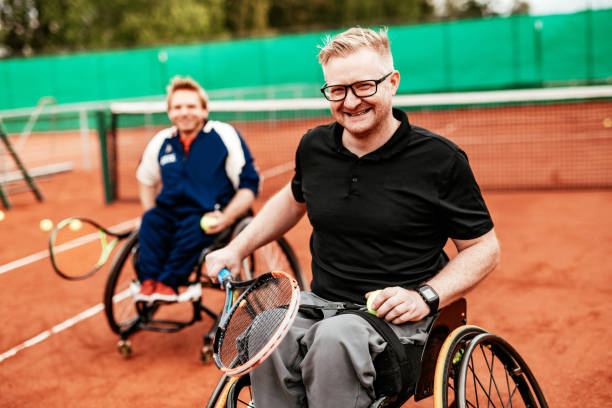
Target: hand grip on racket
x=255, y=322
x=78, y=247
x=224, y=275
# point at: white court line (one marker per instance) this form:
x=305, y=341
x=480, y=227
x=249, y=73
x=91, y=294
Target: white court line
x=274, y=171
x=64, y=247
x=79, y=317
x=54, y=330
x=269, y=173
x=63, y=325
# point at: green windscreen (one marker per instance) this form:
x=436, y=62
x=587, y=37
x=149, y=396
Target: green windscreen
x=494, y=53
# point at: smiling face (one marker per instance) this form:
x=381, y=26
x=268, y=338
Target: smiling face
x=186, y=111
x=362, y=117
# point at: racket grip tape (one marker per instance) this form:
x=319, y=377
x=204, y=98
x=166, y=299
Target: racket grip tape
x=224, y=275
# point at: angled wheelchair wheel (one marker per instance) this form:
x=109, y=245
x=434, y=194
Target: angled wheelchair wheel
x=492, y=373
x=122, y=314
x=239, y=394
x=476, y=369
x=274, y=256
x=448, y=364
x=232, y=392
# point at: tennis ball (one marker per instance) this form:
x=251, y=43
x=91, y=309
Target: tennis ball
x=75, y=225
x=46, y=224
x=207, y=222
x=607, y=122
x=2, y=215
x=371, y=300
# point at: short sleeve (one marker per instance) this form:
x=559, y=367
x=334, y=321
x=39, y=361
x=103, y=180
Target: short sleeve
x=249, y=177
x=148, y=172
x=463, y=208
x=296, y=181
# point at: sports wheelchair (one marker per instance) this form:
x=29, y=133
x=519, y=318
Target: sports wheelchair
x=126, y=317
x=461, y=366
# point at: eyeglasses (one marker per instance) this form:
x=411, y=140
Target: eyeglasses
x=361, y=89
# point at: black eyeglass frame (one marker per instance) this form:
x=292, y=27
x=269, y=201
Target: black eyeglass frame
x=346, y=88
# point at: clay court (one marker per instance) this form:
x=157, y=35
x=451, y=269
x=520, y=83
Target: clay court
x=550, y=296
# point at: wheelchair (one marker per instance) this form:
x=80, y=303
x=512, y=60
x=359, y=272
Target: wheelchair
x=462, y=366
x=126, y=317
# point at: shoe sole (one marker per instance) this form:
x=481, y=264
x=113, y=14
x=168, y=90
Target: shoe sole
x=142, y=298
x=164, y=298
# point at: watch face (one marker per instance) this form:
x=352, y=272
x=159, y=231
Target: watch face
x=428, y=292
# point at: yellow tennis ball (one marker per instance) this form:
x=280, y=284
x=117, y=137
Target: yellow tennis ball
x=371, y=300
x=2, y=215
x=607, y=122
x=208, y=221
x=46, y=224
x=75, y=225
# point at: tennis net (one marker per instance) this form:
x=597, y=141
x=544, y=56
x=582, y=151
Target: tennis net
x=555, y=138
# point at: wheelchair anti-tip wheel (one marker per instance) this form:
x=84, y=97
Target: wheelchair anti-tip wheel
x=125, y=348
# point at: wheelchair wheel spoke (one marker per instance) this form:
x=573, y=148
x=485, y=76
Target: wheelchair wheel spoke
x=490, y=366
x=478, y=385
x=245, y=403
x=493, y=376
x=510, y=393
x=476, y=365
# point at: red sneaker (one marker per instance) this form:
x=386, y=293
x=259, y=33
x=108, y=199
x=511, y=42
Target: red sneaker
x=164, y=293
x=146, y=290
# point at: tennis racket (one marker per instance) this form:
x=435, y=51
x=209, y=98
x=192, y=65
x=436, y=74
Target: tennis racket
x=92, y=246
x=255, y=322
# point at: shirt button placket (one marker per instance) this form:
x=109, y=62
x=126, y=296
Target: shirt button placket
x=354, y=178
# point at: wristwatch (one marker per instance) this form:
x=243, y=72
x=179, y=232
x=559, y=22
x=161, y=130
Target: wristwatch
x=430, y=297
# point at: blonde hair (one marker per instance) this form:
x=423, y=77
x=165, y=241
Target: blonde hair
x=179, y=83
x=354, y=39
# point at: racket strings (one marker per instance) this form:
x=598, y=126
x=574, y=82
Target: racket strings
x=78, y=248
x=256, y=318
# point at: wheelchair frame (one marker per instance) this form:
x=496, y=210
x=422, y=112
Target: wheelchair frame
x=446, y=361
x=143, y=315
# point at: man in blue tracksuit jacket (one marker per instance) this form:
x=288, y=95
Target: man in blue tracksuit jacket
x=196, y=167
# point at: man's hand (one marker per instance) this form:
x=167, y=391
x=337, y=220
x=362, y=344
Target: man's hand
x=222, y=258
x=217, y=222
x=398, y=305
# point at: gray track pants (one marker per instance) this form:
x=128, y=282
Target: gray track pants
x=326, y=363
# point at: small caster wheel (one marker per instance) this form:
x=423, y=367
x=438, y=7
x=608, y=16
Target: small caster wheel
x=206, y=354
x=125, y=348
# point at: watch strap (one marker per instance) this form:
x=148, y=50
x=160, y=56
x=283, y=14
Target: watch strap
x=430, y=297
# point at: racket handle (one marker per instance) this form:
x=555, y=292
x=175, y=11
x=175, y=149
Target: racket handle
x=224, y=275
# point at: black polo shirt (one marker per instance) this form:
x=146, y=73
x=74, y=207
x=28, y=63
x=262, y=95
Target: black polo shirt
x=383, y=219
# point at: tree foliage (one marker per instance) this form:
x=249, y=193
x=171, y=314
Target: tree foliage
x=49, y=26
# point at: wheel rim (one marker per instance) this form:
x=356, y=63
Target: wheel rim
x=492, y=376
x=121, y=311
x=448, y=365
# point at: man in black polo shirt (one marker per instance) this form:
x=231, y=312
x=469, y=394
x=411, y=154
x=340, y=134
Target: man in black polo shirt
x=383, y=197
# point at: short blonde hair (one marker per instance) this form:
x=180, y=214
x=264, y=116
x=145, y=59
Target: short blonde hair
x=179, y=83
x=354, y=39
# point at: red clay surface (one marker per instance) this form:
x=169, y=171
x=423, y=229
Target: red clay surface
x=549, y=298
